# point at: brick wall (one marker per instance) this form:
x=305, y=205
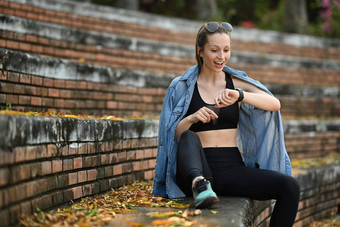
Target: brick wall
x=78, y=58
x=90, y=35
x=47, y=161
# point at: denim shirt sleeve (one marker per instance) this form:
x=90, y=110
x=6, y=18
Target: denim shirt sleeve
x=174, y=107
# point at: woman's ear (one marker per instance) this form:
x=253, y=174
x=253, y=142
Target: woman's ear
x=199, y=51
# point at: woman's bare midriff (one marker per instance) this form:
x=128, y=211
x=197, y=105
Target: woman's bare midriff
x=218, y=138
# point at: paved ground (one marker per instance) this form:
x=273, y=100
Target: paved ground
x=228, y=212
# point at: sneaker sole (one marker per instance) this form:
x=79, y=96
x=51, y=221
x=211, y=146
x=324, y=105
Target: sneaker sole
x=208, y=202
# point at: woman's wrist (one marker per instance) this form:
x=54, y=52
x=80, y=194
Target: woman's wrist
x=241, y=94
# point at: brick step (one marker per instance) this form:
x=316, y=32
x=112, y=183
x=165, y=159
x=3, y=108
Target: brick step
x=48, y=161
x=153, y=27
x=31, y=82
x=158, y=57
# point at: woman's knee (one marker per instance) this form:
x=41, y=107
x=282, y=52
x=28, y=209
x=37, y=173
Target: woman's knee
x=291, y=186
x=189, y=136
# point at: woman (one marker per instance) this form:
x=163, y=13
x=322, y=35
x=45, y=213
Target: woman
x=221, y=133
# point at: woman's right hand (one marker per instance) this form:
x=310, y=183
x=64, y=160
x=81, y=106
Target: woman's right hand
x=205, y=115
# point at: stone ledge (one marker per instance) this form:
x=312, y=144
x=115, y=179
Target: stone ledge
x=31, y=130
x=176, y=24
x=58, y=32
x=67, y=70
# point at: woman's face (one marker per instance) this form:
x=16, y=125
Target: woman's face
x=216, y=52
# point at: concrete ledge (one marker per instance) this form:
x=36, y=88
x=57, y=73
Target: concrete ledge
x=67, y=70
x=102, y=40
x=31, y=130
x=175, y=24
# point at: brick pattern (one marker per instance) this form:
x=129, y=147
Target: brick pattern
x=133, y=30
x=156, y=63
x=34, y=93
x=310, y=145
x=47, y=176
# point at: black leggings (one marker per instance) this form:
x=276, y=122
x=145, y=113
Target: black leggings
x=225, y=169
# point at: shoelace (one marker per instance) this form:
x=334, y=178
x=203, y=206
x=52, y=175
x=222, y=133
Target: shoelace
x=201, y=186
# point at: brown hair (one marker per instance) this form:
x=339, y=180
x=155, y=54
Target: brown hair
x=202, y=39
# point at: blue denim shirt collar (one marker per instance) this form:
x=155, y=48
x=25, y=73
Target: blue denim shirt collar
x=260, y=133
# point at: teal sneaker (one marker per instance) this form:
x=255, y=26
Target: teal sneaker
x=204, y=196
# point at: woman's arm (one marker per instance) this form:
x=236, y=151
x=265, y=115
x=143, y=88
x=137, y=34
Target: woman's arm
x=204, y=115
x=252, y=95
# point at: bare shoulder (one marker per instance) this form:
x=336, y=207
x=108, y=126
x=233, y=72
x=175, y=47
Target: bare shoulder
x=238, y=83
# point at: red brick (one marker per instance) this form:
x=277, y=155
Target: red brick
x=31, y=38
x=112, y=105
x=59, y=83
x=72, y=178
x=46, y=168
x=77, y=192
x=117, y=169
x=12, y=44
x=148, y=175
x=104, y=159
x=20, y=192
x=67, y=164
x=53, y=92
x=136, y=166
x=37, y=81
x=13, y=99
x=14, y=212
x=4, y=177
x=36, y=101
x=42, y=152
x=3, y=75
x=57, y=166
x=25, y=46
x=5, y=217
x=26, y=208
x=65, y=93
x=82, y=176
x=19, y=154
x=52, y=150
x=7, y=88
x=131, y=155
x=59, y=103
x=122, y=156
x=92, y=174
x=25, y=79
x=19, y=173
x=71, y=84
x=48, y=82
x=24, y=100
x=77, y=163
x=30, y=186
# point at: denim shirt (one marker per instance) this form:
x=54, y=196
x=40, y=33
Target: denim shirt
x=260, y=135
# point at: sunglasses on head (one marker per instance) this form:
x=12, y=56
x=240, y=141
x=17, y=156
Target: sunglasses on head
x=213, y=26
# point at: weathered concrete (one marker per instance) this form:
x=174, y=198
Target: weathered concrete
x=68, y=70
x=103, y=40
x=177, y=24
x=26, y=130
x=20, y=130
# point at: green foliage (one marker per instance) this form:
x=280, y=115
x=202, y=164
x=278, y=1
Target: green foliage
x=263, y=14
x=8, y=105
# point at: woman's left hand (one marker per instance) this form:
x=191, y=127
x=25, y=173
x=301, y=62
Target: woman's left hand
x=226, y=97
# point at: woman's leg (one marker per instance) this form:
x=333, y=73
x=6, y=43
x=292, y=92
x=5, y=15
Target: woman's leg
x=191, y=161
x=262, y=185
x=191, y=165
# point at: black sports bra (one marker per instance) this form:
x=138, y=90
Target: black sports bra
x=228, y=117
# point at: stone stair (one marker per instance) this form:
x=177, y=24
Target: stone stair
x=79, y=58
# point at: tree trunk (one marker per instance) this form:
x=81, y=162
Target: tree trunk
x=296, y=19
